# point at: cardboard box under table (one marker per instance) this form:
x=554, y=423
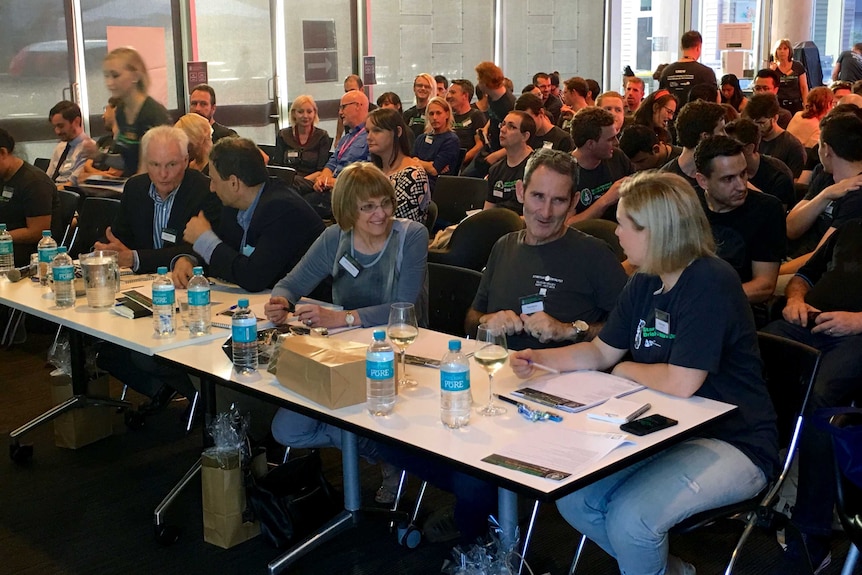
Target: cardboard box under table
x=80, y=427
x=327, y=371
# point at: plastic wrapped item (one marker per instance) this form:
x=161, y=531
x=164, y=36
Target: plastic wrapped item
x=489, y=557
x=60, y=356
x=229, y=430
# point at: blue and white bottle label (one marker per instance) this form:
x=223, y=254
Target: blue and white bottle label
x=6, y=248
x=47, y=255
x=199, y=297
x=163, y=295
x=244, y=330
x=454, y=380
x=379, y=369
x=63, y=273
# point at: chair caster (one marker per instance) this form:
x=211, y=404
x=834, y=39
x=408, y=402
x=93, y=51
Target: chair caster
x=166, y=535
x=20, y=453
x=409, y=536
x=134, y=420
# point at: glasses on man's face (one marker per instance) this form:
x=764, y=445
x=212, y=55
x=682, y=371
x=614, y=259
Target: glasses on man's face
x=343, y=106
x=370, y=207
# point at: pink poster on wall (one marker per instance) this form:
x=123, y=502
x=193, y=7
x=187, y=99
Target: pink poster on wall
x=150, y=43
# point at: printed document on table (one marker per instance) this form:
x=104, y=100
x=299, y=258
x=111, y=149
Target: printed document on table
x=577, y=390
x=556, y=453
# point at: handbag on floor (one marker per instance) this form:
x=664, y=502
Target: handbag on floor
x=292, y=500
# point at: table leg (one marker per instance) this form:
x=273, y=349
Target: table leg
x=507, y=509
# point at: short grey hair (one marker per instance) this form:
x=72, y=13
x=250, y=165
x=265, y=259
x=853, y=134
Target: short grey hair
x=161, y=135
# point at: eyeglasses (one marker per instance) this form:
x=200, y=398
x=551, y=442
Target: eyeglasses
x=669, y=110
x=342, y=106
x=370, y=207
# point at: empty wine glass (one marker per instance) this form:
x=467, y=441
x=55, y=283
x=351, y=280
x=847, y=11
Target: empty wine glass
x=491, y=353
x=403, y=330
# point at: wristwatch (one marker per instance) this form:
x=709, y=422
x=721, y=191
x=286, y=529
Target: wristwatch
x=581, y=328
x=349, y=319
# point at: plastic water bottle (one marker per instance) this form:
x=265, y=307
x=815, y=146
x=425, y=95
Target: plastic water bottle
x=380, y=375
x=455, y=396
x=64, y=279
x=244, y=334
x=7, y=251
x=47, y=249
x=164, y=299
x=200, y=321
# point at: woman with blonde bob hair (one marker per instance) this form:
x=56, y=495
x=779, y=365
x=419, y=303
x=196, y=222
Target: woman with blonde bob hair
x=303, y=146
x=200, y=134
x=688, y=327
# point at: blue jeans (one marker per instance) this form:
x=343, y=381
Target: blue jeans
x=294, y=430
x=629, y=513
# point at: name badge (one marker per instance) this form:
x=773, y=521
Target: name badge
x=169, y=235
x=662, y=321
x=8, y=192
x=498, y=192
x=429, y=139
x=292, y=154
x=247, y=250
x=532, y=304
x=546, y=145
x=350, y=264
x=468, y=122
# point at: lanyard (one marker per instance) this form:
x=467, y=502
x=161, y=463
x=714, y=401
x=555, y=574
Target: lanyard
x=347, y=145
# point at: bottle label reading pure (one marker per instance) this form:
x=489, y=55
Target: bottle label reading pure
x=163, y=295
x=6, y=248
x=379, y=369
x=454, y=380
x=244, y=330
x=47, y=255
x=199, y=297
x=63, y=273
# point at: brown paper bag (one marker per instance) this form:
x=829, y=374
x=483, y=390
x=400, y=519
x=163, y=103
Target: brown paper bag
x=327, y=371
x=224, y=501
x=81, y=427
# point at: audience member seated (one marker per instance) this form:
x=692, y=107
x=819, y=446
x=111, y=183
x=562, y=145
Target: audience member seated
x=575, y=278
x=547, y=135
x=748, y=227
x=731, y=93
x=661, y=321
x=199, y=133
x=373, y=260
x=643, y=148
x=515, y=133
x=657, y=111
x=775, y=142
x=602, y=164
x=438, y=149
x=98, y=151
x=303, y=146
x=468, y=119
x=352, y=147
x=705, y=92
x=68, y=158
x=765, y=173
x=424, y=87
x=389, y=149
x=695, y=121
x=574, y=98
x=824, y=310
x=126, y=78
x=805, y=125
x=202, y=101
x=634, y=87
x=613, y=103
x=390, y=100
x=264, y=227
x=767, y=81
x=442, y=84
x=551, y=103
x=29, y=199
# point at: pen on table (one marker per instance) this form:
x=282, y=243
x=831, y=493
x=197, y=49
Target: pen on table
x=550, y=416
x=541, y=366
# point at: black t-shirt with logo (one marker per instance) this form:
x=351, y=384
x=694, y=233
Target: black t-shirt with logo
x=594, y=183
x=501, y=185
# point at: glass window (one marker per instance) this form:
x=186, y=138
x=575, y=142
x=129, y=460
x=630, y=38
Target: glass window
x=837, y=27
x=713, y=15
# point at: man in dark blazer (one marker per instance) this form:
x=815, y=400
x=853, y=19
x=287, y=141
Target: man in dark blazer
x=265, y=227
x=155, y=206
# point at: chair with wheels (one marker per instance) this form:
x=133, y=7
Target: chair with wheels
x=471, y=242
x=603, y=230
x=451, y=291
x=456, y=195
x=789, y=369
x=95, y=215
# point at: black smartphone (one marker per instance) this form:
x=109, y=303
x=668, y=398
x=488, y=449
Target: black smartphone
x=648, y=424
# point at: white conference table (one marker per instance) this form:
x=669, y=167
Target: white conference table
x=415, y=425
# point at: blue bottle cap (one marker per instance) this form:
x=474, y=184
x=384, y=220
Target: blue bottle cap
x=242, y=303
x=379, y=335
x=162, y=270
x=198, y=270
x=454, y=345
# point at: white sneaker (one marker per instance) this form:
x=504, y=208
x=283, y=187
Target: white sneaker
x=676, y=566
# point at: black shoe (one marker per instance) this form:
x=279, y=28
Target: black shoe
x=806, y=555
x=159, y=401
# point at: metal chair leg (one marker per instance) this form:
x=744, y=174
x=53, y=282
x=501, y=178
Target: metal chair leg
x=577, y=557
x=850, y=562
x=528, y=536
x=192, y=411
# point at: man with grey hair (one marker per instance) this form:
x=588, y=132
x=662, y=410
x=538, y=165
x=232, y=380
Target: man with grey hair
x=155, y=206
x=530, y=286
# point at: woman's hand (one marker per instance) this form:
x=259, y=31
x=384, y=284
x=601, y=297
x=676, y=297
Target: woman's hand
x=276, y=309
x=318, y=316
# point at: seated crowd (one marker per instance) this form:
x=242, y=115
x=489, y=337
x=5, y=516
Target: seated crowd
x=706, y=211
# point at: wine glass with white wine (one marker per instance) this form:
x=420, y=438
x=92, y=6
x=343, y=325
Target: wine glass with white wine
x=403, y=330
x=491, y=353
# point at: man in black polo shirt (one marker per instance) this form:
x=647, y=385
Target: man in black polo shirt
x=515, y=133
x=775, y=141
x=547, y=135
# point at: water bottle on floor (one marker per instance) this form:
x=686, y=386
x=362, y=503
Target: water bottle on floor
x=47, y=249
x=164, y=299
x=64, y=279
x=380, y=375
x=200, y=321
x=455, y=396
x=7, y=250
x=244, y=335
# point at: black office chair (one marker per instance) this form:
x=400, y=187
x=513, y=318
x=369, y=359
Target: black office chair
x=42, y=163
x=286, y=175
x=431, y=217
x=789, y=369
x=269, y=150
x=471, y=242
x=603, y=230
x=69, y=202
x=95, y=215
x=455, y=195
x=848, y=495
x=450, y=293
